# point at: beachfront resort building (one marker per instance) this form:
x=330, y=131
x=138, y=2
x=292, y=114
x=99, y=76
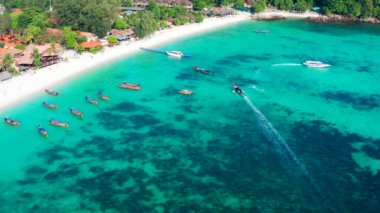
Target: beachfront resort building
x=219, y=11
x=167, y=3
x=14, y=53
x=88, y=45
x=123, y=35
x=89, y=36
x=48, y=54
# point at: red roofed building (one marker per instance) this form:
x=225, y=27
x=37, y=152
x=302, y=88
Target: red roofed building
x=54, y=32
x=54, y=21
x=16, y=10
x=10, y=41
x=91, y=44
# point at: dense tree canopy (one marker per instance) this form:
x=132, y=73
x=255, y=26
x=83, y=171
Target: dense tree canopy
x=143, y=23
x=87, y=15
x=357, y=8
x=42, y=4
x=32, y=17
x=5, y=23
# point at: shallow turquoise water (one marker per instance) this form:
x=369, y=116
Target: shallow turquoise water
x=157, y=151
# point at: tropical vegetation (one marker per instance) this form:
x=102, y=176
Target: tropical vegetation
x=99, y=17
x=354, y=8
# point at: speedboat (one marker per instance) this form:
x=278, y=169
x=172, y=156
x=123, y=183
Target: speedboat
x=261, y=31
x=91, y=101
x=76, y=113
x=50, y=106
x=130, y=86
x=315, y=64
x=185, y=92
x=203, y=71
x=50, y=92
x=237, y=89
x=58, y=123
x=42, y=131
x=11, y=122
x=103, y=97
x=176, y=54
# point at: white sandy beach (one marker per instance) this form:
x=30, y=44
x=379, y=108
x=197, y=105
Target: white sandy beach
x=271, y=13
x=27, y=86
x=32, y=83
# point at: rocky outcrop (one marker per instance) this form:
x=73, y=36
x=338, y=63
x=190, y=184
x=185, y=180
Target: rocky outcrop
x=268, y=18
x=339, y=18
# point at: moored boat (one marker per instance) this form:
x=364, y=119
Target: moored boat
x=76, y=113
x=50, y=106
x=42, y=131
x=50, y=92
x=315, y=64
x=176, y=54
x=58, y=123
x=130, y=86
x=203, y=71
x=185, y=92
x=11, y=122
x=103, y=97
x=91, y=101
x=261, y=31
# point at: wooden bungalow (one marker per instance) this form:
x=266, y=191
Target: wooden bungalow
x=141, y=3
x=220, y=11
x=91, y=44
x=88, y=35
x=123, y=35
x=167, y=3
x=15, y=53
x=56, y=34
x=48, y=55
x=174, y=3
x=130, y=10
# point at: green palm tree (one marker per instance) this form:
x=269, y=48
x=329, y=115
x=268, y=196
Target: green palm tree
x=36, y=58
x=7, y=61
x=53, y=48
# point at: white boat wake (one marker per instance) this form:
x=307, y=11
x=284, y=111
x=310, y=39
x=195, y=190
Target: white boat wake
x=252, y=86
x=286, y=64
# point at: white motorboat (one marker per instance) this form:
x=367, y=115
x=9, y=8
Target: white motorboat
x=315, y=64
x=176, y=54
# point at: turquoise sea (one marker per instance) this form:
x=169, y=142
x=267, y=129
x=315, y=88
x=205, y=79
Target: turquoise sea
x=302, y=140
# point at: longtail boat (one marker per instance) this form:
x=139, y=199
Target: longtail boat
x=50, y=92
x=203, y=71
x=91, y=101
x=58, y=123
x=103, y=97
x=76, y=113
x=42, y=131
x=130, y=86
x=50, y=106
x=11, y=122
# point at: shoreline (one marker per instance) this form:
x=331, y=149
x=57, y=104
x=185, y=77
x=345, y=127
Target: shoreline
x=22, y=88
x=274, y=14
